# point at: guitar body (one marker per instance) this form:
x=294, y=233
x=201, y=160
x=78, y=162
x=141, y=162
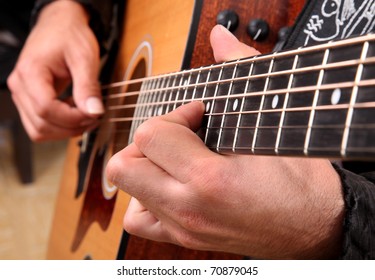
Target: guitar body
x=158, y=37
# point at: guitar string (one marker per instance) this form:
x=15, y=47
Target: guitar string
x=253, y=60
x=277, y=55
x=167, y=104
x=363, y=105
x=108, y=130
x=329, y=66
x=123, y=143
x=326, y=87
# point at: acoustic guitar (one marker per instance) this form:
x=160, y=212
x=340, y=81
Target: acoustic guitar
x=255, y=105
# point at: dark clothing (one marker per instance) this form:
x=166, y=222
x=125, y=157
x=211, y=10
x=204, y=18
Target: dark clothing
x=323, y=21
x=17, y=16
x=14, y=19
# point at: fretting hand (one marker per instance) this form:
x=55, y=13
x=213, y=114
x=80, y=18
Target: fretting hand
x=263, y=207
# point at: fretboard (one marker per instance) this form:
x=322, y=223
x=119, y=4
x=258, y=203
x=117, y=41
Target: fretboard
x=314, y=101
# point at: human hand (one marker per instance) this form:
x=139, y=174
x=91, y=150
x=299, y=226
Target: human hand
x=263, y=207
x=60, y=49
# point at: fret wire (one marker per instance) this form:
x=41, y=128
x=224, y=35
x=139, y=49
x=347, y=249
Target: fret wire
x=241, y=109
x=144, y=100
x=140, y=99
x=315, y=102
x=186, y=83
x=178, y=91
x=261, y=105
x=213, y=102
x=153, y=110
x=195, y=87
x=290, y=83
x=330, y=66
x=159, y=109
x=205, y=88
x=170, y=96
x=136, y=114
x=226, y=108
x=151, y=103
x=336, y=44
x=165, y=98
x=353, y=100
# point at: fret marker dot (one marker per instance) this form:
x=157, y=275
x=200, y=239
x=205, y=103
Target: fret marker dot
x=335, y=97
x=235, y=105
x=275, y=101
x=208, y=105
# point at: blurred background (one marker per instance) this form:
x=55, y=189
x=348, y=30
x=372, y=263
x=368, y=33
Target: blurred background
x=26, y=209
x=29, y=172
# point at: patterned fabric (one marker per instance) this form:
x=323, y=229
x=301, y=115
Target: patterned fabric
x=325, y=20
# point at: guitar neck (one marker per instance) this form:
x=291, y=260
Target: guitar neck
x=314, y=101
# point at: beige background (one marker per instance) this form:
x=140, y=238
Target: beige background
x=26, y=211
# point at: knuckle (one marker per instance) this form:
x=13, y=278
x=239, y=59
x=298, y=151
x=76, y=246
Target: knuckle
x=42, y=110
x=112, y=168
x=186, y=239
x=190, y=222
x=35, y=136
x=12, y=81
x=41, y=129
x=130, y=225
x=118, y=170
x=146, y=132
x=25, y=67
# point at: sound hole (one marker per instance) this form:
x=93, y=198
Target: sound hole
x=100, y=198
x=124, y=113
x=122, y=128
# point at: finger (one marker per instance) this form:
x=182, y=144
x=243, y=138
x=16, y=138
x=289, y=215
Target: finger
x=38, y=98
x=226, y=46
x=141, y=222
x=181, y=154
x=39, y=130
x=135, y=174
x=84, y=63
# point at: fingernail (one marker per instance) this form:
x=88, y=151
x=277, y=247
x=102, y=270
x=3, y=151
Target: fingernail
x=94, y=106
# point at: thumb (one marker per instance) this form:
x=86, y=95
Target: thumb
x=84, y=64
x=226, y=47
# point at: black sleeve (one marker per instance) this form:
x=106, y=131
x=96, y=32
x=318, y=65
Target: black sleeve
x=359, y=222
x=357, y=178
x=100, y=15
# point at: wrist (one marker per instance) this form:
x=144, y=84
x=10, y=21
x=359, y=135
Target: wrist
x=69, y=9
